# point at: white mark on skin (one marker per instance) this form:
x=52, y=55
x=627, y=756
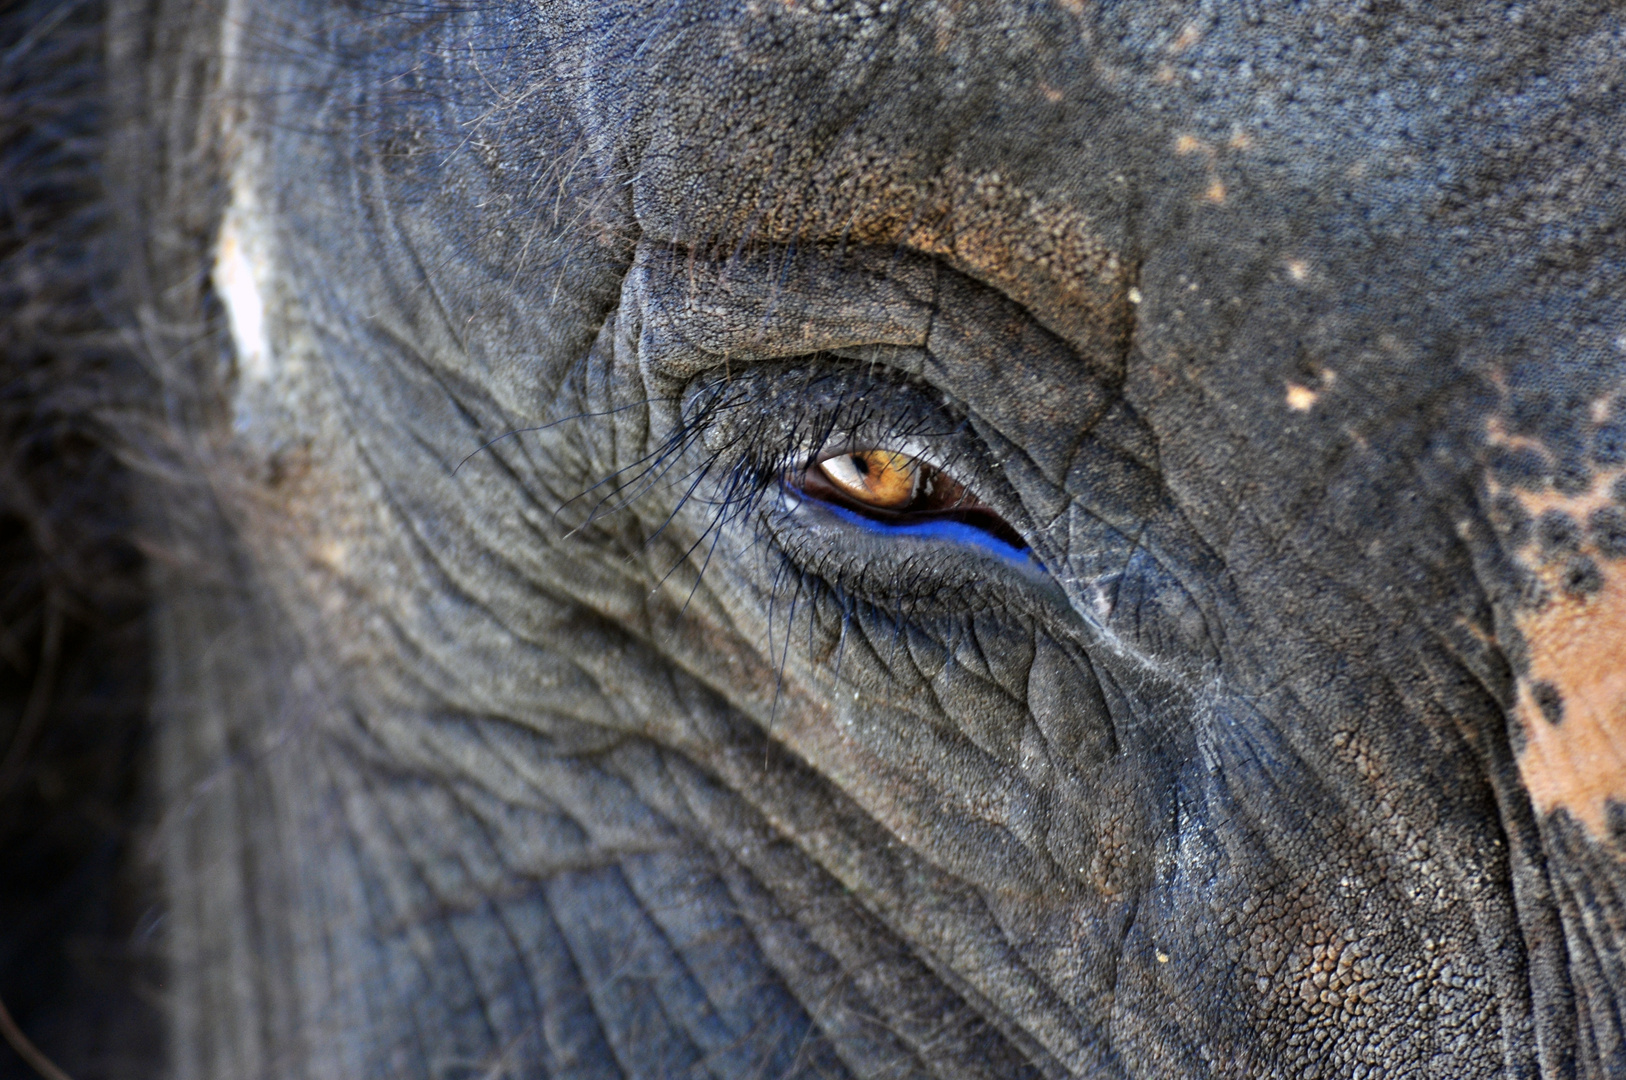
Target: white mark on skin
x=238, y=287
x=1134, y=295
x=1300, y=398
x=1298, y=269
x=266, y=364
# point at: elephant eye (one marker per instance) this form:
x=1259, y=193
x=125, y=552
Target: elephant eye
x=894, y=489
x=882, y=479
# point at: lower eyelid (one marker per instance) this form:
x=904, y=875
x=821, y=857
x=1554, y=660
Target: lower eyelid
x=941, y=529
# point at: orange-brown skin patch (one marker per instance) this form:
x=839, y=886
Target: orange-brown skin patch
x=1190, y=34
x=1300, y=398
x=1577, y=646
x=1029, y=243
x=1033, y=245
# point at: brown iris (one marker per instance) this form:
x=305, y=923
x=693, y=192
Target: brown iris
x=884, y=479
x=894, y=488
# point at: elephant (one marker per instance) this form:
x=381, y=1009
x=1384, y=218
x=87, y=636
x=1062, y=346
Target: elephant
x=871, y=538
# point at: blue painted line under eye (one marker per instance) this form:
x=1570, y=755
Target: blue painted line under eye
x=954, y=532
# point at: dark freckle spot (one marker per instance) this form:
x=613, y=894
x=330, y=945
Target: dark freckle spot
x=1608, y=527
x=1582, y=577
x=1557, y=531
x=1520, y=468
x=1615, y=814
x=1550, y=701
x=1572, y=479
x=1618, y=491
x=1609, y=443
x=1530, y=594
x=1511, y=518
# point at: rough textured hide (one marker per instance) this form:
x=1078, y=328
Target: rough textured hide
x=513, y=715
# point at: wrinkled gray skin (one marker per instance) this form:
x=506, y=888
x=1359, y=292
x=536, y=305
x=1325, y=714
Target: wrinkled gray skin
x=1269, y=326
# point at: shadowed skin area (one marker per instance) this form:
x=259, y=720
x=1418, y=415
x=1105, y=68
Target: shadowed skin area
x=1273, y=330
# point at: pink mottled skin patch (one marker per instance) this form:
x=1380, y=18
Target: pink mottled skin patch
x=1577, y=646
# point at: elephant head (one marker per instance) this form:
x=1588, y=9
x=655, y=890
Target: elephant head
x=821, y=538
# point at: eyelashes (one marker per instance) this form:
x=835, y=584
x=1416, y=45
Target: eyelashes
x=775, y=429
x=894, y=489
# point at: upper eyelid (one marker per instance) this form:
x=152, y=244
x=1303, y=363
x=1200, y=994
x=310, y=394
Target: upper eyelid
x=843, y=408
